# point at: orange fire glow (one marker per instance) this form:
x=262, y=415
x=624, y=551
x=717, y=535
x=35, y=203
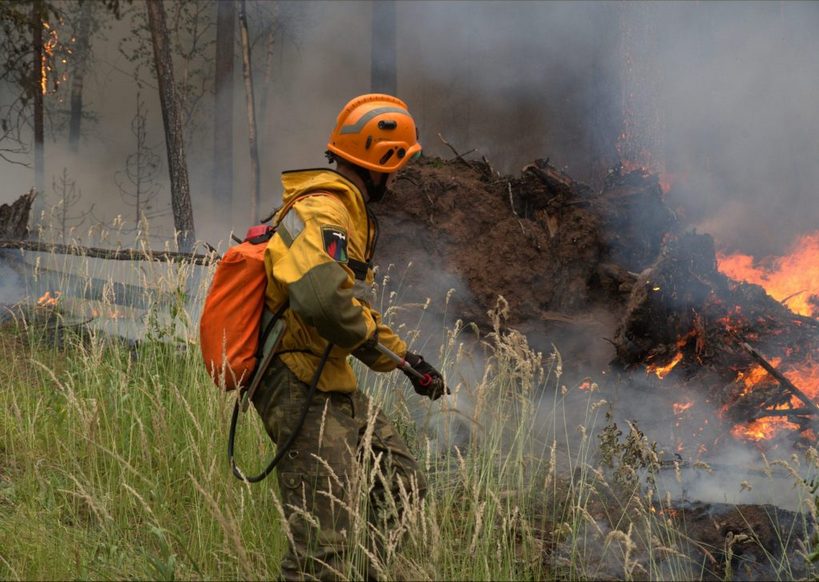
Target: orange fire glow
x=763, y=429
x=663, y=371
x=752, y=377
x=804, y=377
x=48, y=51
x=792, y=279
x=680, y=407
x=49, y=300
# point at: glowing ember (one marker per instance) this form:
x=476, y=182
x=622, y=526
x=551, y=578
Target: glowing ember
x=48, y=52
x=680, y=407
x=589, y=385
x=755, y=375
x=805, y=377
x=662, y=371
x=792, y=279
x=49, y=300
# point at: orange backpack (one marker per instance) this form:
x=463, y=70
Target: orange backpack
x=230, y=333
x=229, y=330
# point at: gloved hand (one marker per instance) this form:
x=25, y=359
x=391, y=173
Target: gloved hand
x=434, y=389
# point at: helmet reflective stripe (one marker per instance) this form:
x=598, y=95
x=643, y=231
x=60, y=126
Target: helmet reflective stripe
x=375, y=132
x=359, y=125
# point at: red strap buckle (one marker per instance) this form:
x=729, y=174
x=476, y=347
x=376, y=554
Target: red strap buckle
x=258, y=233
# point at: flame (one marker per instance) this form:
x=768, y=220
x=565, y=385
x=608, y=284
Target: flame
x=663, y=371
x=763, y=429
x=49, y=300
x=792, y=279
x=105, y=311
x=805, y=377
x=752, y=377
x=48, y=52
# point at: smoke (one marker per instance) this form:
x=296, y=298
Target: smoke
x=723, y=95
x=11, y=285
x=740, y=127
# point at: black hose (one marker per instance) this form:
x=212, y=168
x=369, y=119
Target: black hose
x=289, y=442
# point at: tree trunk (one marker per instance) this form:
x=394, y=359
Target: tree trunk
x=80, y=60
x=39, y=79
x=383, y=71
x=177, y=166
x=267, y=136
x=223, y=114
x=268, y=69
x=251, y=114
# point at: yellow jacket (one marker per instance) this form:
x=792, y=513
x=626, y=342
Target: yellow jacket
x=320, y=259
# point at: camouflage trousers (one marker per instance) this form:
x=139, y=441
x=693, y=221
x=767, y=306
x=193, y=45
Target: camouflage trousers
x=315, y=474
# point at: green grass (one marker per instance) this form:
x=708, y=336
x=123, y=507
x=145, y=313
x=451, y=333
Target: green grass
x=112, y=465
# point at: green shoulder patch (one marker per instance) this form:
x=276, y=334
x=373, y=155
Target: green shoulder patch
x=335, y=243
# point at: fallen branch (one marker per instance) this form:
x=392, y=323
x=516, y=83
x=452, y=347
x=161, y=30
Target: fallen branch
x=511, y=200
x=791, y=296
x=783, y=381
x=110, y=254
x=783, y=412
x=457, y=155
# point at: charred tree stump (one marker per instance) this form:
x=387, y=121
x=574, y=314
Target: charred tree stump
x=14, y=218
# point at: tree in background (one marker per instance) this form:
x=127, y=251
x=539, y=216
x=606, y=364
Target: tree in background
x=223, y=105
x=247, y=69
x=82, y=56
x=190, y=25
x=37, y=56
x=272, y=26
x=38, y=64
x=137, y=183
x=383, y=51
x=68, y=196
x=174, y=141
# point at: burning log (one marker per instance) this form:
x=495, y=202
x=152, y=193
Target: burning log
x=787, y=384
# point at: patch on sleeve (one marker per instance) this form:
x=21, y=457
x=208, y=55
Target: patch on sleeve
x=335, y=243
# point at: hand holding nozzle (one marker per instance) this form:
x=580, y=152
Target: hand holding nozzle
x=426, y=380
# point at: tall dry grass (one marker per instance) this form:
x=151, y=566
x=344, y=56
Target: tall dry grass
x=112, y=459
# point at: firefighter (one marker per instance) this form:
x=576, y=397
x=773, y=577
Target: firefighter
x=320, y=260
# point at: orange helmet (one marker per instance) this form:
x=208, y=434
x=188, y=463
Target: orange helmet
x=376, y=132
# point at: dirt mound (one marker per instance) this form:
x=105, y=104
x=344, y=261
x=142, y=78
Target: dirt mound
x=611, y=278
x=564, y=257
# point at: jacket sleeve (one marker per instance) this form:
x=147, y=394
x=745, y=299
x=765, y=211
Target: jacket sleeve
x=320, y=287
x=386, y=336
